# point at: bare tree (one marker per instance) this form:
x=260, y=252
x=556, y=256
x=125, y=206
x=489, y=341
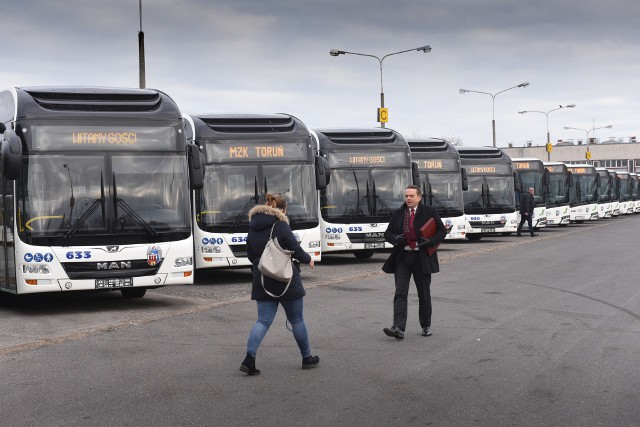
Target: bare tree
x=453, y=140
x=456, y=141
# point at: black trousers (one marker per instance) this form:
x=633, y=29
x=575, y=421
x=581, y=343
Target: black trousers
x=529, y=220
x=409, y=266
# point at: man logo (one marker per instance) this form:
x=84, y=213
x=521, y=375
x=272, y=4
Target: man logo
x=114, y=265
x=113, y=248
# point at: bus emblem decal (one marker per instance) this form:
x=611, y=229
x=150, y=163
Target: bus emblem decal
x=154, y=255
x=113, y=265
x=113, y=248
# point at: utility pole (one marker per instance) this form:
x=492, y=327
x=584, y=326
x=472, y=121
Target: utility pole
x=141, y=65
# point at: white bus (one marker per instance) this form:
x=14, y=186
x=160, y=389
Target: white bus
x=94, y=191
x=246, y=157
x=531, y=173
x=443, y=182
x=605, y=205
x=558, y=201
x=370, y=169
x=627, y=204
x=489, y=203
x=615, y=193
x=583, y=195
x=635, y=192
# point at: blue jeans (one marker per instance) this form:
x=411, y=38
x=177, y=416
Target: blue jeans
x=267, y=310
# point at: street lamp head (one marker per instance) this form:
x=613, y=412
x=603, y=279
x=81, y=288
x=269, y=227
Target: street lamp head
x=463, y=91
x=336, y=52
x=608, y=127
x=523, y=84
x=522, y=112
x=424, y=49
x=570, y=106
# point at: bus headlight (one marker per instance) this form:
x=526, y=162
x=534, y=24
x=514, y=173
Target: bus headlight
x=211, y=250
x=35, y=269
x=183, y=261
x=314, y=244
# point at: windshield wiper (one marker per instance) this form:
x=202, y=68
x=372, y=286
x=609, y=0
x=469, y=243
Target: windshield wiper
x=377, y=198
x=85, y=216
x=128, y=210
x=357, y=209
x=253, y=200
x=439, y=204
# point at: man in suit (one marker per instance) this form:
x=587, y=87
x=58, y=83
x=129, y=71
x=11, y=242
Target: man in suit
x=410, y=257
x=527, y=203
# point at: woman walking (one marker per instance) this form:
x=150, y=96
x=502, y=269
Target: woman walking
x=264, y=220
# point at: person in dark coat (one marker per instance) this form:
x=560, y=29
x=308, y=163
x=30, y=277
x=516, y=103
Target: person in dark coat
x=409, y=257
x=262, y=219
x=527, y=204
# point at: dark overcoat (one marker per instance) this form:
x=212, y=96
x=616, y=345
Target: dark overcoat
x=423, y=214
x=261, y=219
x=527, y=203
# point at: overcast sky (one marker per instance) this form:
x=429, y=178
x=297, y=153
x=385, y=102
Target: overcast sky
x=267, y=56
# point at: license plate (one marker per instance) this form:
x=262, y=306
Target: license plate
x=487, y=230
x=379, y=245
x=121, y=282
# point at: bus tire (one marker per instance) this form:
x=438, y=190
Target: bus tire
x=474, y=237
x=366, y=254
x=508, y=234
x=133, y=292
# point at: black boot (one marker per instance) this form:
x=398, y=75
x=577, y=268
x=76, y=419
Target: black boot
x=310, y=362
x=249, y=365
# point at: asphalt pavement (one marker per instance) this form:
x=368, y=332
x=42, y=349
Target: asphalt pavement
x=532, y=331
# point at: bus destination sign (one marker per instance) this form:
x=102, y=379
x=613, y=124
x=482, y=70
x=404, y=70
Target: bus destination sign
x=349, y=159
x=496, y=169
x=437, y=164
x=226, y=151
x=102, y=137
x=524, y=165
x=555, y=168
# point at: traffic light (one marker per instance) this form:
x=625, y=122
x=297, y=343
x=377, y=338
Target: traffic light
x=549, y=147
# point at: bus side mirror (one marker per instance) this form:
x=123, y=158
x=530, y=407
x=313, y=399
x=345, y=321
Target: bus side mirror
x=196, y=167
x=570, y=179
x=323, y=173
x=546, y=178
x=415, y=174
x=11, y=155
x=465, y=180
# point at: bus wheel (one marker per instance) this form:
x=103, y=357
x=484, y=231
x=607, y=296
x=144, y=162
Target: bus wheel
x=474, y=236
x=363, y=254
x=133, y=292
x=508, y=234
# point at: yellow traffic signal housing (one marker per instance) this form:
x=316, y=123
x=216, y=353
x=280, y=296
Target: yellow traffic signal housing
x=383, y=115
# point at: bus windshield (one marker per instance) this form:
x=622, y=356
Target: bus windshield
x=533, y=179
x=558, y=189
x=489, y=194
x=604, y=194
x=587, y=188
x=364, y=194
x=71, y=199
x=231, y=190
x=446, y=193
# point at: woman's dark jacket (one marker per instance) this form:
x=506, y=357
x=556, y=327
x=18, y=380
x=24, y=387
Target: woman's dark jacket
x=423, y=213
x=261, y=218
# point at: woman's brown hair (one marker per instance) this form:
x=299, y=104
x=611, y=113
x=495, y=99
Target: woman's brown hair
x=277, y=202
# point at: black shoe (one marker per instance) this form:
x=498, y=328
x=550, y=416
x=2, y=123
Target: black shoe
x=249, y=366
x=394, y=332
x=310, y=362
x=534, y=234
x=426, y=331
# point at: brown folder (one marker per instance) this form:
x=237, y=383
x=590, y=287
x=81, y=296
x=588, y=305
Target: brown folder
x=427, y=231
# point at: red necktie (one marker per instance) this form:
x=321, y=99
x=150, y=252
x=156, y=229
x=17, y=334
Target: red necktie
x=412, y=233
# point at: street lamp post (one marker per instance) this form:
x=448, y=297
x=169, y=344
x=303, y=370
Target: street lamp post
x=336, y=52
x=547, y=114
x=493, y=108
x=593, y=129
